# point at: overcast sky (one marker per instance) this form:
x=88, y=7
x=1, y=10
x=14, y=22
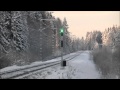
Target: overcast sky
x=82, y=21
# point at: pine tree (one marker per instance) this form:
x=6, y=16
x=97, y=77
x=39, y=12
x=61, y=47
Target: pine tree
x=5, y=32
x=19, y=30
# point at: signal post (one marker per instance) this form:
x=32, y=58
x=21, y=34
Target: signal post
x=63, y=62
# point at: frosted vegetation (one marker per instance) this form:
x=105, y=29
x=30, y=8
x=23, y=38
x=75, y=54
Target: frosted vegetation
x=25, y=37
x=107, y=58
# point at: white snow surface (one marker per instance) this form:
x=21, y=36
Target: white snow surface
x=14, y=67
x=81, y=67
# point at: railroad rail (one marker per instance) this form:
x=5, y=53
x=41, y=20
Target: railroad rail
x=21, y=72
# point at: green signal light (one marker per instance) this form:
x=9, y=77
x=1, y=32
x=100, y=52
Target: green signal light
x=61, y=30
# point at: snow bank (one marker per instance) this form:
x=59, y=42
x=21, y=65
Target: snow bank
x=34, y=63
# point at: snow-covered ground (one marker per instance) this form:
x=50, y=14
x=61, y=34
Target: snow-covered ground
x=81, y=67
x=14, y=67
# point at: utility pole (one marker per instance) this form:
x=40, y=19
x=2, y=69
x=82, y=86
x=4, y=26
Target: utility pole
x=119, y=18
x=53, y=38
x=51, y=20
x=40, y=40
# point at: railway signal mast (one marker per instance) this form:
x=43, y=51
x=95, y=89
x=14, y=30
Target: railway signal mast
x=63, y=62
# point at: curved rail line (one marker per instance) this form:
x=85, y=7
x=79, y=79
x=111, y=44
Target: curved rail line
x=12, y=74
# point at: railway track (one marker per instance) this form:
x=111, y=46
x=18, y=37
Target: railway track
x=14, y=74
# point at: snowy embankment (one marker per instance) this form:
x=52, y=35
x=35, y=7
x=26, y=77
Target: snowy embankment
x=11, y=68
x=81, y=67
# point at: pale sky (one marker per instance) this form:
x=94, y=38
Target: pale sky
x=82, y=21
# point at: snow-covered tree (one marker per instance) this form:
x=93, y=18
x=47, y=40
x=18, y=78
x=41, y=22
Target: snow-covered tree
x=110, y=37
x=93, y=38
x=25, y=33
x=65, y=36
x=5, y=31
x=19, y=30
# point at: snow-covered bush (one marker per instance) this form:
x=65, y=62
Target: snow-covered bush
x=105, y=62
